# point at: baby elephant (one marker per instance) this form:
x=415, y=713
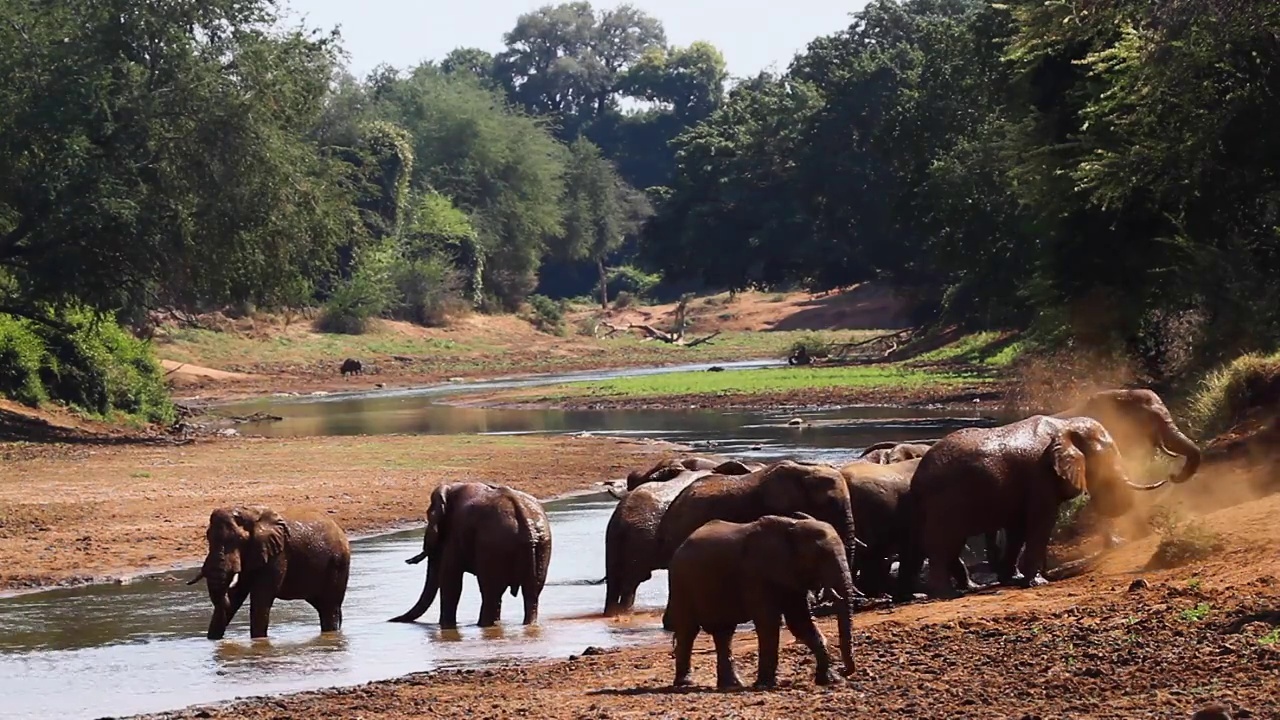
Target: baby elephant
x=726, y=573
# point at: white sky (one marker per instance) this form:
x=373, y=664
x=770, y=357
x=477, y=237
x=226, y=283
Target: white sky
x=754, y=35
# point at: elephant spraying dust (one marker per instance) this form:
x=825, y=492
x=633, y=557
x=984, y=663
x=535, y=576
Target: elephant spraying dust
x=260, y=555
x=727, y=573
x=1012, y=477
x=499, y=534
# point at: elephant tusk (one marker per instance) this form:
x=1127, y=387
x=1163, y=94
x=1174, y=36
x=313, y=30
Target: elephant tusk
x=1136, y=486
x=1166, y=451
x=235, y=578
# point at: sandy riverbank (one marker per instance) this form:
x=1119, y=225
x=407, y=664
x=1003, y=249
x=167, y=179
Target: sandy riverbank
x=73, y=513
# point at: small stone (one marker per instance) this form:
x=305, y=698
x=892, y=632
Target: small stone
x=593, y=650
x=795, y=421
x=1212, y=711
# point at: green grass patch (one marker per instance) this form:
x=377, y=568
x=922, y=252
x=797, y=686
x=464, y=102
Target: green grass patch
x=227, y=349
x=991, y=348
x=1197, y=613
x=1227, y=394
x=761, y=381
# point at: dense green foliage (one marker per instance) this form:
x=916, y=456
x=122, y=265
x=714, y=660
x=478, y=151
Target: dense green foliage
x=1103, y=171
x=91, y=364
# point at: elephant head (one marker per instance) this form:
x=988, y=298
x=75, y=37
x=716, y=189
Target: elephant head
x=1084, y=457
x=242, y=541
x=806, y=555
x=1139, y=419
x=434, y=539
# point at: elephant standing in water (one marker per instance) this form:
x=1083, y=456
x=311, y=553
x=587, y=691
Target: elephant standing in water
x=1012, y=477
x=500, y=535
x=880, y=518
x=780, y=489
x=260, y=555
x=727, y=573
x=631, y=545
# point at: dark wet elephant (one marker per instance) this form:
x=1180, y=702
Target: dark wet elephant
x=880, y=518
x=351, y=366
x=260, y=555
x=779, y=489
x=630, y=544
x=1011, y=477
x=726, y=574
x=499, y=534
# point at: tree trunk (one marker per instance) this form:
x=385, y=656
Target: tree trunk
x=604, y=291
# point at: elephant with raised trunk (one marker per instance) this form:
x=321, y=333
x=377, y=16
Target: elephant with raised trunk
x=780, y=489
x=1013, y=477
x=728, y=573
x=260, y=555
x=499, y=534
x=1140, y=424
x=631, y=544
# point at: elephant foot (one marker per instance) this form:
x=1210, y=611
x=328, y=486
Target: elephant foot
x=1034, y=581
x=1014, y=580
x=683, y=681
x=765, y=683
x=733, y=682
x=825, y=678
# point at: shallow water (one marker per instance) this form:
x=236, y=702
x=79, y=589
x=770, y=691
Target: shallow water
x=118, y=650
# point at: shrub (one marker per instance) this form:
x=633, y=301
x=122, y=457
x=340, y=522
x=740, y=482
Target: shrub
x=21, y=356
x=546, y=314
x=814, y=344
x=1181, y=541
x=624, y=300
x=629, y=279
x=365, y=296
x=429, y=290
x=90, y=363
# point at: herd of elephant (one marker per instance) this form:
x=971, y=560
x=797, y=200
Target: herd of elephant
x=744, y=542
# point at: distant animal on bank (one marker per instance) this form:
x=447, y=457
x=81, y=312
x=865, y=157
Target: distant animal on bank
x=351, y=366
x=630, y=545
x=727, y=573
x=1012, y=478
x=260, y=555
x=799, y=356
x=497, y=533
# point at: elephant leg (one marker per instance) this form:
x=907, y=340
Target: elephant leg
x=330, y=614
x=943, y=556
x=450, y=594
x=532, y=592
x=218, y=623
x=260, y=601
x=490, y=602
x=726, y=675
x=684, y=655
x=800, y=623
x=1036, y=550
x=960, y=575
x=1015, y=538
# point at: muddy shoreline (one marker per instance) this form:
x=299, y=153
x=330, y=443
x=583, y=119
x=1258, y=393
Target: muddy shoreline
x=90, y=513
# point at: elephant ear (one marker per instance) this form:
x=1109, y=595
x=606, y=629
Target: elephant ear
x=1068, y=463
x=269, y=535
x=771, y=551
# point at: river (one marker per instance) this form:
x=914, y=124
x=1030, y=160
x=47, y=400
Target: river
x=112, y=650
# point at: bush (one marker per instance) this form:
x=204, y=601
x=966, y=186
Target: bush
x=631, y=280
x=91, y=364
x=21, y=356
x=814, y=344
x=365, y=296
x=624, y=300
x=546, y=314
x=1184, y=543
x=429, y=290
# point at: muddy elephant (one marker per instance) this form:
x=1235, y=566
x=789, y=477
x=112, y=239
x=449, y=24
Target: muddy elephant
x=630, y=544
x=887, y=453
x=1013, y=477
x=880, y=518
x=258, y=554
x=779, y=489
x=726, y=573
x=499, y=534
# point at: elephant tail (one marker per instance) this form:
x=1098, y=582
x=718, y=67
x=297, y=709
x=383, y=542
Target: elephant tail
x=537, y=539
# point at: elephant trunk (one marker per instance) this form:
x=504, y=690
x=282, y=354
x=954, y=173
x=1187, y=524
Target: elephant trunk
x=843, y=584
x=1174, y=442
x=429, y=590
x=845, y=528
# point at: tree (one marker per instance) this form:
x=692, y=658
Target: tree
x=601, y=210
x=158, y=154
x=687, y=82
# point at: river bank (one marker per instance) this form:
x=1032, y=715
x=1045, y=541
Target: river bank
x=1098, y=646
x=86, y=512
